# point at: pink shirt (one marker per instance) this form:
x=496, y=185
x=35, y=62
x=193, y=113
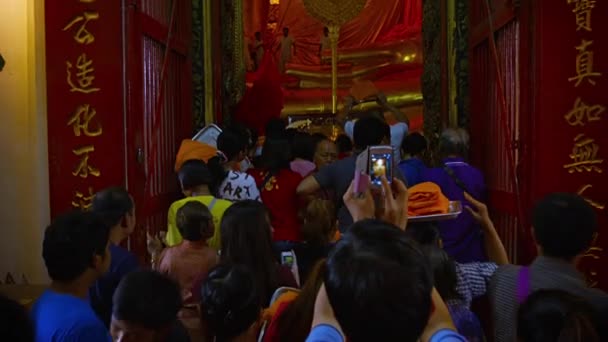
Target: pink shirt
x=303, y=167
x=187, y=262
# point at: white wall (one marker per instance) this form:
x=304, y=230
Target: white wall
x=24, y=186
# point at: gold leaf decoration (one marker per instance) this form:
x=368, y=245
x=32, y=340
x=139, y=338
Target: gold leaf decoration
x=334, y=12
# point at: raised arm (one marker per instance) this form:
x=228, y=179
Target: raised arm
x=382, y=101
x=493, y=245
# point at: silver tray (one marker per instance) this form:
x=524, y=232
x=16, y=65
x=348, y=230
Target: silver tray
x=454, y=209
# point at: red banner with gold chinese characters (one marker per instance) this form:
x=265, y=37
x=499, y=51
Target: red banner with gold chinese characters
x=85, y=100
x=570, y=149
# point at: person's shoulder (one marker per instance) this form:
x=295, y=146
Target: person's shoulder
x=222, y=203
x=399, y=127
x=506, y=271
x=505, y=276
x=123, y=259
x=87, y=329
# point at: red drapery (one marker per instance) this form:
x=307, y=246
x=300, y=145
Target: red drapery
x=380, y=21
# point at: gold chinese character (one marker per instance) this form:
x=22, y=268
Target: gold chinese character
x=582, y=10
x=582, y=111
x=84, y=77
x=83, y=201
x=584, y=65
x=83, y=169
x=83, y=36
x=81, y=119
x=584, y=156
x=593, y=203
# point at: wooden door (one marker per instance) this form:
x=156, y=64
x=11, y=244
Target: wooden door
x=500, y=63
x=154, y=134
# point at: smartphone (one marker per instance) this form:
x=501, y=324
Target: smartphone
x=287, y=258
x=380, y=164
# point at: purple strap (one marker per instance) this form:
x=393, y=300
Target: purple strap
x=523, y=284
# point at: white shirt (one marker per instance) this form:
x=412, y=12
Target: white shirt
x=398, y=132
x=239, y=186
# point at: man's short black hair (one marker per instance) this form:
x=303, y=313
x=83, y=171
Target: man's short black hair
x=231, y=142
x=370, y=131
x=16, y=325
x=344, y=143
x=564, y=225
x=147, y=298
x=379, y=284
x=414, y=144
x=71, y=242
x=195, y=173
x=193, y=221
x=112, y=204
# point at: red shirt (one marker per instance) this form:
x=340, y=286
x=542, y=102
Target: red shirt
x=279, y=196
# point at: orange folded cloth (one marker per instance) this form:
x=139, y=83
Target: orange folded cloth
x=427, y=199
x=191, y=149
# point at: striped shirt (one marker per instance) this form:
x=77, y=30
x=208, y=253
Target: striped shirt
x=545, y=273
x=472, y=280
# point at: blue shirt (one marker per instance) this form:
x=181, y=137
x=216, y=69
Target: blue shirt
x=64, y=318
x=462, y=238
x=328, y=333
x=413, y=170
x=100, y=294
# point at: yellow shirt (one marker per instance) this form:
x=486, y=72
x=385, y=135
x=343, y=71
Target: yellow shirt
x=217, y=210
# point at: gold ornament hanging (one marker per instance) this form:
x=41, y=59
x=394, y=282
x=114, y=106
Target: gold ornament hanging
x=334, y=13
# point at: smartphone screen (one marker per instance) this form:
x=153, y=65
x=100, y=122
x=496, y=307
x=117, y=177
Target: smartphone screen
x=381, y=164
x=287, y=259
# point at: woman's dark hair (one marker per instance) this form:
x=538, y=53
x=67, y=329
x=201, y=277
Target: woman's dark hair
x=414, y=144
x=246, y=239
x=194, y=221
x=276, y=155
x=303, y=146
x=444, y=271
x=319, y=218
x=112, y=204
x=230, y=302
x=345, y=145
x=195, y=172
x=556, y=316
x=293, y=325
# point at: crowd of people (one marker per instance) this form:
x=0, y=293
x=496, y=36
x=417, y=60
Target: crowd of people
x=281, y=246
